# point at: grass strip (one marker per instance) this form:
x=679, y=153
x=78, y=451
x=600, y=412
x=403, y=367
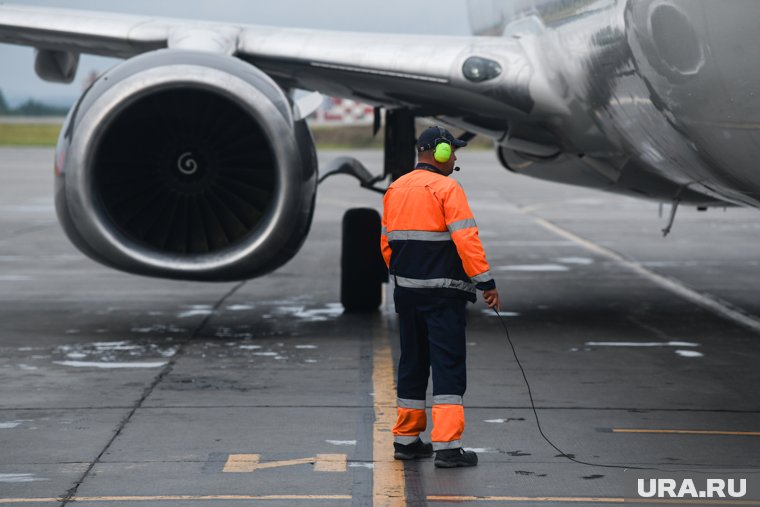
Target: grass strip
x=29, y=134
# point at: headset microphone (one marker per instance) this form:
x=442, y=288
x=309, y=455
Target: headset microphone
x=456, y=168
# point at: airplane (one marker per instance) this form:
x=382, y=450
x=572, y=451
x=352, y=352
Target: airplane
x=192, y=158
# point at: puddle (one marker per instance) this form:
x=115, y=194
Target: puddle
x=329, y=311
x=115, y=354
x=7, y=425
x=158, y=329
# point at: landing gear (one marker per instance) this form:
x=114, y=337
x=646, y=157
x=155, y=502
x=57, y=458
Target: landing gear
x=363, y=270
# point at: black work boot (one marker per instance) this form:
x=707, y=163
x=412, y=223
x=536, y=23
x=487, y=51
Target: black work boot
x=452, y=458
x=417, y=449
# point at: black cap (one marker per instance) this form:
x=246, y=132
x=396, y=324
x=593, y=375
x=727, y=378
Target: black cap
x=432, y=136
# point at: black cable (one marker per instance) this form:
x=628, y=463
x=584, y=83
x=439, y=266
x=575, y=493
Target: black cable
x=563, y=453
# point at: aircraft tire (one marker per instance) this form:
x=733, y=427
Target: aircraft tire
x=363, y=270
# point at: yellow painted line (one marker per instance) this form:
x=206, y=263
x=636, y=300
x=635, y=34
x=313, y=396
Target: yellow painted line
x=175, y=498
x=247, y=463
x=431, y=498
x=241, y=463
x=689, y=432
x=388, y=488
x=331, y=463
x=572, y=499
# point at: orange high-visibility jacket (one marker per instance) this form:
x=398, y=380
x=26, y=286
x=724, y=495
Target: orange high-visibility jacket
x=429, y=236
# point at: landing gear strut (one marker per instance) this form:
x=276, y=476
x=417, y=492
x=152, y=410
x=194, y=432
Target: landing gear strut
x=363, y=269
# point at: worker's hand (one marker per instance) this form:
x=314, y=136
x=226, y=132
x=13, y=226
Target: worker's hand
x=491, y=297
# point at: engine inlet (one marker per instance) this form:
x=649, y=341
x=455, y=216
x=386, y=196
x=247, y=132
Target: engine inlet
x=185, y=171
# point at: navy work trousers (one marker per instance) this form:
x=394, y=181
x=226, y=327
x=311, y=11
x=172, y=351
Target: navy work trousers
x=432, y=332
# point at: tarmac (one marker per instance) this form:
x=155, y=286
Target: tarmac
x=641, y=351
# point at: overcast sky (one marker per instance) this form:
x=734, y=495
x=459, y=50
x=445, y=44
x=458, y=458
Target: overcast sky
x=18, y=80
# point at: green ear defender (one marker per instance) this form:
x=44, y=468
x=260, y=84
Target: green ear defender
x=442, y=152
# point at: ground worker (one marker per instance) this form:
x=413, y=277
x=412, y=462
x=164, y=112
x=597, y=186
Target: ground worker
x=430, y=243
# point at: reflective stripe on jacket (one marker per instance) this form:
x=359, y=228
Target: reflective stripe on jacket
x=429, y=236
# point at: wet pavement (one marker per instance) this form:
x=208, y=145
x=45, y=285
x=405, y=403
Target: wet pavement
x=118, y=390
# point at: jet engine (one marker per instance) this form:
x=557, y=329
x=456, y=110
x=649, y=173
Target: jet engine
x=186, y=165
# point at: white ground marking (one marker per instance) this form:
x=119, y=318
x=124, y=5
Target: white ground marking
x=20, y=478
x=641, y=344
x=689, y=353
x=488, y=311
x=361, y=464
x=306, y=346
x=239, y=308
x=711, y=303
x=533, y=267
x=14, y=278
x=95, y=364
x=495, y=421
x=341, y=442
x=192, y=313
x=583, y=261
x=482, y=450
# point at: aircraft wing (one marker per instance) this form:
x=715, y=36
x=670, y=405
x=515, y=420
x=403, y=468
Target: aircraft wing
x=428, y=74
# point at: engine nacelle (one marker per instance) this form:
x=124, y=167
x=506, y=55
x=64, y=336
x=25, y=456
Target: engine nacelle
x=186, y=165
